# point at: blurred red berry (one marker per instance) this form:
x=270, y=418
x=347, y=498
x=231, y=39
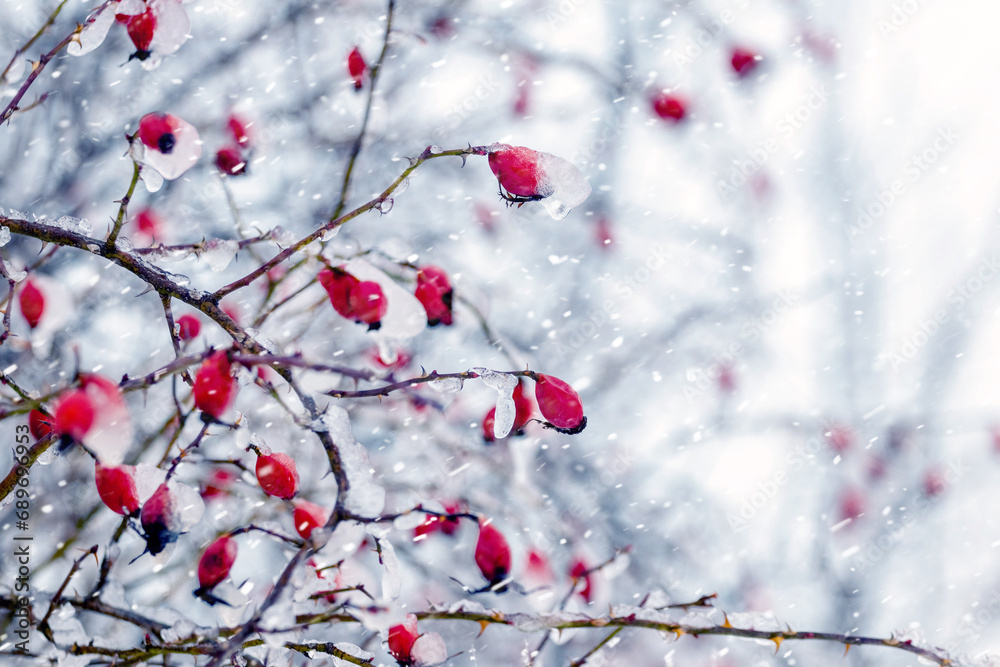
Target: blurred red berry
x=852, y=504
x=156, y=130
x=492, y=553
x=308, y=517
x=74, y=414
x=934, y=483
x=277, y=475
x=218, y=483
x=435, y=294
x=214, y=386
x=148, y=225
x=559, y=404
x=188, y=327
x=744, y=61
x=159, y=519
x=39, y=423
x=32, y=303
x=356, y=67
x=140, y=28
x=402, y=637
x=669, y=107
x=116, y=486
x=229, y=161
x=840, y=438
x=216, y=562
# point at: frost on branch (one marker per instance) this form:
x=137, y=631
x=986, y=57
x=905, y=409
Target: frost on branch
x=365, y=497
x=504, y=383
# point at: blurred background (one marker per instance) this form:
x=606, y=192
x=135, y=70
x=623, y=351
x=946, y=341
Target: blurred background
x=777, y=304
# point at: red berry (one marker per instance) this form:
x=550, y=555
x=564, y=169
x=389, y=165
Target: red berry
x=434, y=292
x=669, y=107
x=559, y=404
x=403, y=359
x=39, y=423
x=159, y=520
x=852, y=504
x=214, y=386
x=492, y=553
x=73, y=415
x=156, y=130
x=447, y=525
x=188, y=327
x=744, y=61
x=116, y=486
x=516, y=167
x=934, y=483
x=368, y=303
x=402, y=637
x=308, y=517
x=537, y=568
x=238, y=130
x=338, y=285
x=356, y=67
x=524, y=407
x=489, y=433
x=578, y=570
x=277, y=475
x=229, y=161
x=840, y=438
x=216, y=562
x=148, y=224
x=32, y=303
x=140, y=28
x=218, y=483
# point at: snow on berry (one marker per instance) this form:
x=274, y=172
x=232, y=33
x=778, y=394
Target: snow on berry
x=214, y=386
x=170, y=511
x=529, y=175
x=744, y=61
x=308, y=517
x=559, y=404
x=669, y=107
x=157, y=28
x=188, y=327
x=166, y=144
x=277, y=475
x=410, y=648
x=403, y=317
x=32, y=303
x=117, y=488
x=216, y=563
x=492, y=553
x=95, y=415
x=356, y=67
x=434, y=292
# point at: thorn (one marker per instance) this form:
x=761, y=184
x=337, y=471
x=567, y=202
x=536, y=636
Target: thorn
x=482, y=628
x=847, y=647
x=777, y=639
x=727, y=624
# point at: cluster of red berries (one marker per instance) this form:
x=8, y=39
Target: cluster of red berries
x=357, y=300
